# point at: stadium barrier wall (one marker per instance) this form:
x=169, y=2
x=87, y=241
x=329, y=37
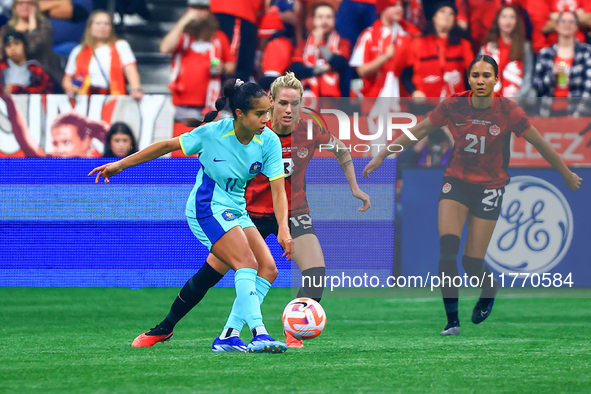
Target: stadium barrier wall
x=57, y=228
x=543, y=227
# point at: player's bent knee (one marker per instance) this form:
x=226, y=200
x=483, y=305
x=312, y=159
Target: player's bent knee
x=247, y=261
x=449, y=247
x=473, y=266
x=268, y=271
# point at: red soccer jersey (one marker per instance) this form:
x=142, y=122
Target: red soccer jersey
x=481, y=136
x=259, y=201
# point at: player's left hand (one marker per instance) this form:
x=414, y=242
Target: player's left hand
x=106, y=171
x=573, y=181
x=363, y=197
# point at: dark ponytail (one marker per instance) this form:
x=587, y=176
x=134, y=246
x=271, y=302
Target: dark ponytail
x=237, y=94
x=220, y=104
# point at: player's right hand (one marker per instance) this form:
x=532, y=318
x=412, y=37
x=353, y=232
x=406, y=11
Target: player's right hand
x=374, y=164
x=285, y=240
x=106, y=171
x=573, y=181
x=363, y=197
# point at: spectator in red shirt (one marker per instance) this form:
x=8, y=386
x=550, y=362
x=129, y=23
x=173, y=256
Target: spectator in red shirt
x=238, y=22
x=323, y=57
x=544, y=15
x=201, y=55
x=17, y=75
x=438, y=60
x=477, y=17
x=506, y=43
x=380, y=51
x=277, y=45
x=379, y=58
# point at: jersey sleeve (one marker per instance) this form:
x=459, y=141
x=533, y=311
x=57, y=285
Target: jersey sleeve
x=181, y=44
x=227, y=55
x=71, y=65
x=125, y=52
x=413, y=61
x=273, y=158
x=401, y=62
x=468, y=55
x=518, y=120
x=440, y=114
x=298, y=55
x=358, y=58
x=192, y=142
x=344, y=48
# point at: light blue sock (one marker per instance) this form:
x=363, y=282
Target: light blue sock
x=234, y=320
x=263, y=286
x=246, y=306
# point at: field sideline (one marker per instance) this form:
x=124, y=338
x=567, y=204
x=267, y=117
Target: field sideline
x=57, y=340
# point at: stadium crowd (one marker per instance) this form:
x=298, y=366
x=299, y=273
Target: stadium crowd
x=348, y=48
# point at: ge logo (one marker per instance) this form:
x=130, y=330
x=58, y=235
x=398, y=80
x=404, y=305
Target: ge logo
x=534, y=230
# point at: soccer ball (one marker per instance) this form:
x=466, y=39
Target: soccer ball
x=304, y=318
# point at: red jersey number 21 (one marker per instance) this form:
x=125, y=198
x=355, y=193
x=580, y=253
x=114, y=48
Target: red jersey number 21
x=474, y=142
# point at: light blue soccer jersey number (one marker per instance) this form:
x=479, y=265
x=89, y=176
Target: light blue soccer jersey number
x=227, y=166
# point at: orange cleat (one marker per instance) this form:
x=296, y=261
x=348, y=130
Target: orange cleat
x=293, y=342
x=145, y=340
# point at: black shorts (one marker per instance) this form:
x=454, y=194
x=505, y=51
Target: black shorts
x=482, y=202
x=298, y=225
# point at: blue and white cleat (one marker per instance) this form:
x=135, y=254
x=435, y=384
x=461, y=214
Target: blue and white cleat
x=228, y=345
x=265, y=344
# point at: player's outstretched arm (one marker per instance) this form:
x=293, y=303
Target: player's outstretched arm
x=343, y=156
x=152, y=152
x=280, y=207
x=533, y=136
x=420, y=131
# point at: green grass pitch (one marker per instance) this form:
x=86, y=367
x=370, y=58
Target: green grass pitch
x=78, y=340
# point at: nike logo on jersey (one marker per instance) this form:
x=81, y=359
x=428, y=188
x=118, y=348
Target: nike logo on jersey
x=460, y=124
x=217, y=160
x=486, y=209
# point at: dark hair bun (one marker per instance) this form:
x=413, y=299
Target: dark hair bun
x=230, y=87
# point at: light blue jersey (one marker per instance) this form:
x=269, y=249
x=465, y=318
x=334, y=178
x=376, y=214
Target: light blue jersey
x=227, y=166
